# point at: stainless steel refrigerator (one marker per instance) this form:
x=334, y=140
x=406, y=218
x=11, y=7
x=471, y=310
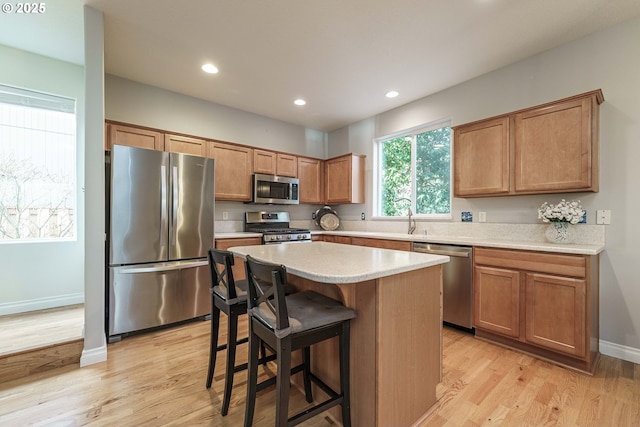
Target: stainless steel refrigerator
x=160, y=228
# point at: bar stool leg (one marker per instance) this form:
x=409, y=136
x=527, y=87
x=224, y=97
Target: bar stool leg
x=252, y=378
x=213, y=350
x=306, y=360
x=283, y=381
x=232, y=335
x=345, y=383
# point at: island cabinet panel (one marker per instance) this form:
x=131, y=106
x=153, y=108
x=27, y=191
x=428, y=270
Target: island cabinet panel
x=481, y=158
x=234, y=168
x=311, y=176
x=239, y=272
x=264, y=162
x=134, y=137
x=286, y=165
x=549, y=148
x=545, y=304
x=345, y=176
x=186, y=145
x=394, y=374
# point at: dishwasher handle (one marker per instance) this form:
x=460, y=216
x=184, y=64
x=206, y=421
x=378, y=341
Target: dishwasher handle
x=455, y=251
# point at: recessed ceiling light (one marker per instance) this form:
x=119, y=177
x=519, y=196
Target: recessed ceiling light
x=300, y=102
x=392, y=94
x=210, y=68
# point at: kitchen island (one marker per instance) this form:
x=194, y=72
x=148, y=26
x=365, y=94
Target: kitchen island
x=396, y=346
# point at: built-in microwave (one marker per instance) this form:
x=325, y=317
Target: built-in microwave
x=277, y=190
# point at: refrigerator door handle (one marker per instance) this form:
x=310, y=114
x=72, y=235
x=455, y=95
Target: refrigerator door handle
x=175, y=202
x=163, y=200
x=163, y=267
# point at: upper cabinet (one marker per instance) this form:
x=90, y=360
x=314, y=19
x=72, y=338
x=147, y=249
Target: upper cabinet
x=311, y=176
x=344, y=179
x=186, y=145
x=233, y=170
x=551, y=148
x=481, y=158
x=134, y=137
x=286, y=165
x=271, y=163
x=264, y=162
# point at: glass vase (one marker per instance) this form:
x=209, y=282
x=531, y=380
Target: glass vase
x=559, y=232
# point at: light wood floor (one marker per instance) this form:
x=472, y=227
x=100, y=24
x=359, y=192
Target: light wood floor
x=37, y=329
x=157, y=379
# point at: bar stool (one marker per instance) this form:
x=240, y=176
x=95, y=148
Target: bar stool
x=288, y=323
x=230, y=297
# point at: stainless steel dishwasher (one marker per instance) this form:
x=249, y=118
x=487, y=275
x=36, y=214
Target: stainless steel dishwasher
x=457, y=282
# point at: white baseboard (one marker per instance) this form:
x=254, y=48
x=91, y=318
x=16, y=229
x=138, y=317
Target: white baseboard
x=618, y=351
x=93, y=356
x=40, y=304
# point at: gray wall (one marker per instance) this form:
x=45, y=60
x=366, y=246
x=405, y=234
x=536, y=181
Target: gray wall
x=43, y=275
x=131, y=102
x=603, y=60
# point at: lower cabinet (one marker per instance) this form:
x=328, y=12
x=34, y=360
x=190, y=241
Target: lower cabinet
x=238, y=266
x=542, y=303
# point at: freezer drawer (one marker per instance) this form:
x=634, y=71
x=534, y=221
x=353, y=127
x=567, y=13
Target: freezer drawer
x=149, y=295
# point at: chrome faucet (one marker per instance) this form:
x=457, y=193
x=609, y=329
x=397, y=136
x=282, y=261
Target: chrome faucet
x=412, y=225
x=412, y=222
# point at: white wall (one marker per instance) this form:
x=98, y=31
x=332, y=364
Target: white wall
x=605, y=60
x=131, y=102
x=43, y=275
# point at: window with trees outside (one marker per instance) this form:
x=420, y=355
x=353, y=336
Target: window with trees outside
x=37, y=166
x=413, y=171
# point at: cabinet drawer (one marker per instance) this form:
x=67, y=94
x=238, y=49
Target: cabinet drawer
x=562, y=264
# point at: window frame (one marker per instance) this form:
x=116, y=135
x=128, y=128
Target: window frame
x=377, y=171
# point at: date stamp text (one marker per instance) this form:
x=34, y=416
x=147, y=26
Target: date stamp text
x=24, y=8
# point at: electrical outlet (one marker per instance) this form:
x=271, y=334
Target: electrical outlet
x=482, y=217
x=362, y=217
x=603, y=217
x=225, y=215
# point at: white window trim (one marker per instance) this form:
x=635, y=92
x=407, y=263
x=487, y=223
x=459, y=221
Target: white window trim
x=377, y=176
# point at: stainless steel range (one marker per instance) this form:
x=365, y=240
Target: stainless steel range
x=274, y=227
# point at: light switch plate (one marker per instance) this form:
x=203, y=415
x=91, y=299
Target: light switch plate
x=603, y=217
x=482, y=217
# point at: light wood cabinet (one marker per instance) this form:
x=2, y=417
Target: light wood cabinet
x=398, y=245
x=311, y=176
x=186, y=145
x=481, y=158
x=550, y=148
x=286, y=165
x=345, y=240
x=233, y=171
x=496, y=300
x=134, y=137
x=264, y=162
x=542, y=303
x=239, y=273
x=344, y=179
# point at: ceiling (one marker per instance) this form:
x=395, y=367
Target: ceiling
x=341, y=56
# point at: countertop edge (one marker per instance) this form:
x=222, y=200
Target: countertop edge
x=420, y=261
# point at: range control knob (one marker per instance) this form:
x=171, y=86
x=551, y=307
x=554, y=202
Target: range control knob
x=289, y=236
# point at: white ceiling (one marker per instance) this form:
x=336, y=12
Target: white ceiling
x=341, y=56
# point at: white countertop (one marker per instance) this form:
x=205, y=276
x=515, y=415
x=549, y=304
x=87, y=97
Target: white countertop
x=475, y=241
x=335, y=263
x=580, y=249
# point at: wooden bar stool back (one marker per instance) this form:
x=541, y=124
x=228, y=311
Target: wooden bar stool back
x=289, y=323
x=230, y=297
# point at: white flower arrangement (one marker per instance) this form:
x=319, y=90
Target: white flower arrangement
x=564, y=211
